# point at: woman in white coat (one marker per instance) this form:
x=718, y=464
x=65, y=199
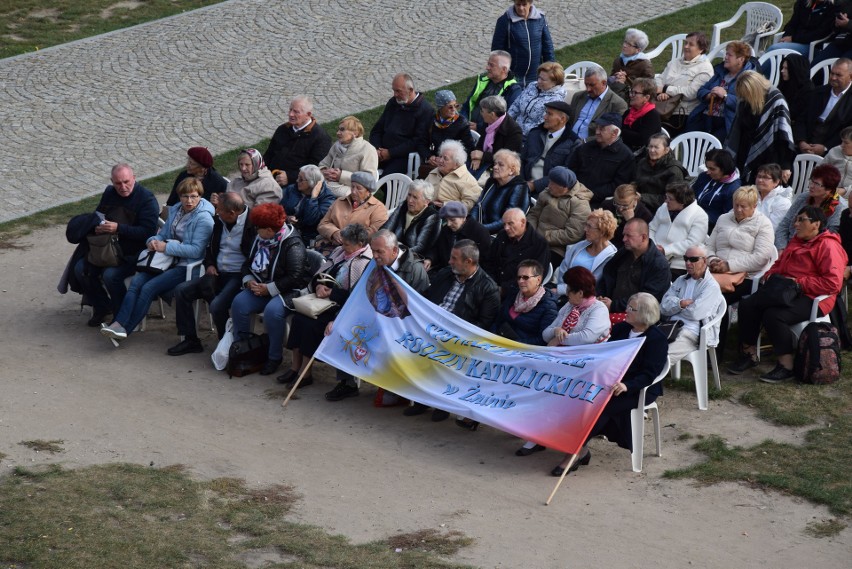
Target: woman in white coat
x=678, y=224
x=350, y=154
x=743, y=241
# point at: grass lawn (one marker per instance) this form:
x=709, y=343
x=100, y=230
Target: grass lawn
x=30, y=25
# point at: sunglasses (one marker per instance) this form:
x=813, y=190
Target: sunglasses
x=526, y=277
x=687, y=259
x=803, y=219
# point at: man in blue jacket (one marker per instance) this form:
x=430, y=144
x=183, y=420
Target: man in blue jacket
x=548, y=145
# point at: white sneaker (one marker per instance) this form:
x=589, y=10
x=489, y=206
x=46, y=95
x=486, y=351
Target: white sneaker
x=114, y=331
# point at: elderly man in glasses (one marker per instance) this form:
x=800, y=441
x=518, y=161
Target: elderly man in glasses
x=692, y=298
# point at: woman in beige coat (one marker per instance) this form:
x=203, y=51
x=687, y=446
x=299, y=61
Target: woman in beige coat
x=561, y=211
x=351, y=153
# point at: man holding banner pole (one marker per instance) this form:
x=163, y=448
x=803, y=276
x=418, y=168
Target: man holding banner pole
x=466, y=291
x=386, y=253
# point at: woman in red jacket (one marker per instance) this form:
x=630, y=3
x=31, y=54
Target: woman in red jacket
x=810, y=266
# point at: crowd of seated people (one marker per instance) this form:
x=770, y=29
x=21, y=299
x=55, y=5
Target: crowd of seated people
x=587, y=187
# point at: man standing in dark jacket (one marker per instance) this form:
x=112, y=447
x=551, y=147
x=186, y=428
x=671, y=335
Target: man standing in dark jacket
x=467, y=291
x=403, y=127
x=639, y=267
x=606, y=162
x=130, y=212
x=295, y=143
x=516, y=242
x=233, y=236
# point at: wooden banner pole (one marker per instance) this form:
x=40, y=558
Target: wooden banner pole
x=298, y=381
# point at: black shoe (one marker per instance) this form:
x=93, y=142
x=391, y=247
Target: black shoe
x=186, y=347
x=742, y=364
x=777, y=375
x=524, y=451
x=306, y=381
x=341, y=391
x=558, y=470
x=415, y=409
x=439, y=415
x=97, y=318
x=288, y=376
x=467, y=424
x=270, y=367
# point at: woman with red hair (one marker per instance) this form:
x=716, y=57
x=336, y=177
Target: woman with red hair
x=275, y=266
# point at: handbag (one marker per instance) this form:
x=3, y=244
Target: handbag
x=312, y=306
x=668, y=107
x=247, y=355
x=104, y=250
x=670, y=329
x=154, y=262
x=729, y=281
x=777, y=291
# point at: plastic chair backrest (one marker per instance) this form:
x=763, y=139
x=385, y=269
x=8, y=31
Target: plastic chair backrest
x=759, y=16
x=413, y=164
x=676, y=43
x=823, y=67
x=691, y=147
x=579, y=69
x=397, y=186
x=803, y=165
x=774, y=58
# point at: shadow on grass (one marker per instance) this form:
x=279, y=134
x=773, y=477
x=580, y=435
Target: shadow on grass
x=130, y=516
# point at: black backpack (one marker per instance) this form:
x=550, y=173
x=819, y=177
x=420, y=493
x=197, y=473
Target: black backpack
x=817, y=358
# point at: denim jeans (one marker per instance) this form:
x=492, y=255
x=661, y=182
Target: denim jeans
x=275, y=314
x=144, y=288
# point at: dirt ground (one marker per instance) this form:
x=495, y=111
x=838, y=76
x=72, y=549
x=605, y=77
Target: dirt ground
x=366, y=472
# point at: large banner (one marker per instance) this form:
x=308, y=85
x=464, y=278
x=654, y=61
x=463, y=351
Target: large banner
x=392, y=337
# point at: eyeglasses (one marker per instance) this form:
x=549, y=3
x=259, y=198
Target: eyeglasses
x=190, y=197
x=804, y=219
x=815, y=183
x=618, y=205
x=633, y=92
x=631, y=309
x=687, y=259
x=526, y=277
x=453, y=106
x=628, y=44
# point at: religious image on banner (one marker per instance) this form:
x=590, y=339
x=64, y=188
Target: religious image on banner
x=390, y=336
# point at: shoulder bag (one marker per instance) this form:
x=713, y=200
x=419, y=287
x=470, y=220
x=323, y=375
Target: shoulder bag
x=154, y=262
x=104, y=250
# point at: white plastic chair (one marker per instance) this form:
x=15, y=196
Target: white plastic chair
x=698, y=358
x=803, y=165
x=579, y=69
x=759, y=16
x=774, y=58
x=690, y=148
x=637, y=424
x=823, y=67
x=718, y=52
x=676, y=43
x=396, y=189
x=474, y=134
x=549, y=275
x=413, y=165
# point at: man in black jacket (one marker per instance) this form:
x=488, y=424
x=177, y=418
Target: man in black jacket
x=639, y=267
x=403, y=127
x=548, y=145
x=604, y=163
x=129, y=211
x=233, y=235
x=467, y=291
x=516, y=242
x=298, y=142
x=828, y=112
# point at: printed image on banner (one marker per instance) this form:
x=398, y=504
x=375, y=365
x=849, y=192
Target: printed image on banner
x=392, y=337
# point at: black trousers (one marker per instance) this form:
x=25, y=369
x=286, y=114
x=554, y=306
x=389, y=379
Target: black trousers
x=776, y=321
